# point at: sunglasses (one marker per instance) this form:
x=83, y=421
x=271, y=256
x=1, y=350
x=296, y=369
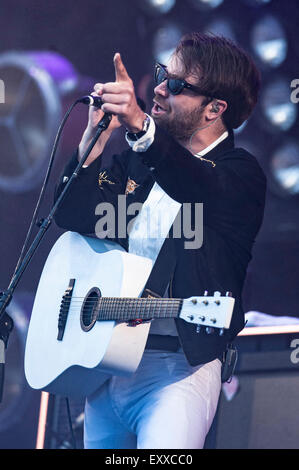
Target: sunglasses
x=175, y=86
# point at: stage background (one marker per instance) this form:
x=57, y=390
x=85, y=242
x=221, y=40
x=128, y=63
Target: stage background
x=53, y=52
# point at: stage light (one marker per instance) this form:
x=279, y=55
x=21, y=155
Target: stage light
x=269, y=41
x=158, y=6
x=206, y=4
x=277, y=107
x=38, y=86
x=165, y=41
x=285, y=167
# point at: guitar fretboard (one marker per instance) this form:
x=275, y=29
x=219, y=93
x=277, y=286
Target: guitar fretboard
x=114, y=308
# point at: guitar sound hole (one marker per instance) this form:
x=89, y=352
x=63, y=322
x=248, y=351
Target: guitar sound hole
x=89, y=313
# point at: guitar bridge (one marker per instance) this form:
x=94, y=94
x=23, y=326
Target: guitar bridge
x=64, y=309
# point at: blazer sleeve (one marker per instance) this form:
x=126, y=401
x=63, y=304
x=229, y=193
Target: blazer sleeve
x=93, y=185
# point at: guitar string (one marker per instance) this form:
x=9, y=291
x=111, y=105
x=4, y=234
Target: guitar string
x=169, y=307
x=124, y=303
x=124, y=309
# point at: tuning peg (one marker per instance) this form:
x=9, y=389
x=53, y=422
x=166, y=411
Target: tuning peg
x=221, y=331
x=205, y=302
x=228, y=294
x=217, y=294
x=198, y=328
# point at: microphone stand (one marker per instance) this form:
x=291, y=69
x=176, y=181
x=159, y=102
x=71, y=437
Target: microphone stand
x=6, y=323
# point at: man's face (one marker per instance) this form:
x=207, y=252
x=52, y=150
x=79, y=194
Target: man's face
x=180, y=115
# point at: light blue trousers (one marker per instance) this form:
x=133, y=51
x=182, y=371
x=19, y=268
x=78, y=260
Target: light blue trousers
x=165, y=404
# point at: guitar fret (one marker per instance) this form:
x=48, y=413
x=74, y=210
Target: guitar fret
x=143, y=312
x=105, y=308
x=159, y=310
x=165, y=309
x=135, y=309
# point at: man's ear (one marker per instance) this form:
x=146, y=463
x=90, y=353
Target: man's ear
x=215, y=109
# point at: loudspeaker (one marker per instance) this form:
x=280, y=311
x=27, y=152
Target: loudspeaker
x=261, y=410
x=262, y=415
x=64, y=423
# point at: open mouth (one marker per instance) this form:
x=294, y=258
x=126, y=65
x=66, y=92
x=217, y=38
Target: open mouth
x=157, y=109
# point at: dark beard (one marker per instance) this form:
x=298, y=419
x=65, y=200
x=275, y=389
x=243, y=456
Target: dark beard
x=183, y=125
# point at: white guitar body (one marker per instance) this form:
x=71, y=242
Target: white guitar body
x=83, y=360
x=74, y=343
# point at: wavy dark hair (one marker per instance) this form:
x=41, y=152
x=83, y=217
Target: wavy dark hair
x=224, y=71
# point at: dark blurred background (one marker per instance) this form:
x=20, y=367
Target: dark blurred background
x=53, y=52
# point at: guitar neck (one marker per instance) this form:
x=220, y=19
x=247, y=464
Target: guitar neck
x=114, y=308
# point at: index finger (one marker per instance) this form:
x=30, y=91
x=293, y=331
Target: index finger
x=121, y=73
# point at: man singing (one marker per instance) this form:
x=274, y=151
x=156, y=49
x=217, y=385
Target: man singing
x=183, y=153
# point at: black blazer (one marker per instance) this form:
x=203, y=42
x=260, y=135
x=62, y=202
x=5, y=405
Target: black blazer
x=232, y=191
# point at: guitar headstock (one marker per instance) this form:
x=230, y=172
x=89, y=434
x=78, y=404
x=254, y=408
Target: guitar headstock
x=209, y=311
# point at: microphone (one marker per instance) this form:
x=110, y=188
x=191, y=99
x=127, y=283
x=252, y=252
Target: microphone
x=91, y=100
x=97, y=101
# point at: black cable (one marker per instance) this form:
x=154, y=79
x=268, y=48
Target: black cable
x=44, y=185
x=34, y=220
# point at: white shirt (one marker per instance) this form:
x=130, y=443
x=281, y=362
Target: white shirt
x=155, y=219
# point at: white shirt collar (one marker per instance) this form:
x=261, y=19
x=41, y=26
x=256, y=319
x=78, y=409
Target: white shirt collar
x=212, y=145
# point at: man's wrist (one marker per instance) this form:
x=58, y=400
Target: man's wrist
x=137, y=125
x=144, y=142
